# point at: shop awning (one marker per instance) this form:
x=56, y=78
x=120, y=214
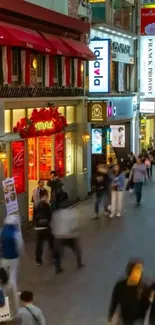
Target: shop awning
x=26, y=38
x=79, y=49
x=56, y=43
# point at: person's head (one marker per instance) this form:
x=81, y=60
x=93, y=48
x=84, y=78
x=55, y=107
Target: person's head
x=139, y=160
x=4, y=278
x=116, y=169
x=41, y=183
x=12, y=219
x=53, y=174
x=130, y=155
x=102, y=168
x=97, y=133
x=134, y=271
x=26, y=297
x=120, y=129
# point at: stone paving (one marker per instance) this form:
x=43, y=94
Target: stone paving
x=82, y=297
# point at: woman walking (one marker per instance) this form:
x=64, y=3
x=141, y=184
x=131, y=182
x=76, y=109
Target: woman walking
x=118, y=185
x=139, y=174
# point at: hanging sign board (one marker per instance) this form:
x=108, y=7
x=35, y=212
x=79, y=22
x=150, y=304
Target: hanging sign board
x=10, y=195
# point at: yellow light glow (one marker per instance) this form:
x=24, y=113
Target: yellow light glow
x=82, y=67
x=34, y=63
x=86, y=137
x=42, y=126
x=96, y=1
x=152, y=5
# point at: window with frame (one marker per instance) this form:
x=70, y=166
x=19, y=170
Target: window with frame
x=70, y=153
x=40, y=68
x=7, y=120
x=15, y=65
x=18, y=114
x=70, y=114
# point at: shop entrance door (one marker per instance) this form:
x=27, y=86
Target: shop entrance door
x=39, y=164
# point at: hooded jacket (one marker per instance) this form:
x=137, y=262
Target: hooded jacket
x=11, y=238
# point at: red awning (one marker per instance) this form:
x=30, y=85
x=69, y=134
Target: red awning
x=22, y=37
x=56, y=43
x=79, y=49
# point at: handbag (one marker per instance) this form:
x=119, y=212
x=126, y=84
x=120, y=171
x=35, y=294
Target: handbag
x=34, y=317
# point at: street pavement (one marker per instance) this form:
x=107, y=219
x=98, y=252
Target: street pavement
x=82, y=297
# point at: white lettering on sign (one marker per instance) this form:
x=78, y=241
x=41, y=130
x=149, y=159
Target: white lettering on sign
x=99, y=70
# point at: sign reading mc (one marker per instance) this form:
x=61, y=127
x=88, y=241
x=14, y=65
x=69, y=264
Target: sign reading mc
x=99, y=70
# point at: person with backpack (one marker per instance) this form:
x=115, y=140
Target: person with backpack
x=11, y=247
x=28, y=313
x=42, y=220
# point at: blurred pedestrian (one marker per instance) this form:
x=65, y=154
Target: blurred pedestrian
x=66, y=232
x=55, y=185
x=28, y=313
x=128, y=296
x=148, y=165
x=9, y=292
x=42, y=220
x=11, y=247
x=118, y=186
x=139, y=174
x=131, y=162
x=102, y=189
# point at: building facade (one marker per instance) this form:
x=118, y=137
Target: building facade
x=43, y=116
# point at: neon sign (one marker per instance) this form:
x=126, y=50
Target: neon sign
x=42, y=126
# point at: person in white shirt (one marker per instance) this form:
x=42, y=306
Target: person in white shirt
x=28, y=313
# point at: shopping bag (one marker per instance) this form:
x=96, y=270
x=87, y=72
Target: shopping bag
x=5, y=311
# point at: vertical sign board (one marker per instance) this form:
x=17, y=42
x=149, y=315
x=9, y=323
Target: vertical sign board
x=147, y=66
x=148, y=21
x=99, y=70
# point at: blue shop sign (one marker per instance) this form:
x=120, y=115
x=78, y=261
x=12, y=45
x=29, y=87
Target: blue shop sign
x=120, y=108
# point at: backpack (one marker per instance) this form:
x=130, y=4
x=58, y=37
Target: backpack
x=2, y=298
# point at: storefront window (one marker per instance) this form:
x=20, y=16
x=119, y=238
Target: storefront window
x=30, y=110
x=70, y=153
x=32, y=159
x=17, y=115
x=45, y=157
x=7, y=117
x=5, y=159
x=122, y=15
x=70, y=114
x=61, y=110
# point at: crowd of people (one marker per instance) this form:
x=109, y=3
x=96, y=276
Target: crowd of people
x=112, y=180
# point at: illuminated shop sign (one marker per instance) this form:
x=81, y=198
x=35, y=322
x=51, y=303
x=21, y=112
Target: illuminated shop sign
x=147, y=107
x=121, y=48
x=99, y=70
x=44, y=125
x=147, y=66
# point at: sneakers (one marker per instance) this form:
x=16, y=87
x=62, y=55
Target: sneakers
x=96, y=216
x=111, y=216
x=118, y=214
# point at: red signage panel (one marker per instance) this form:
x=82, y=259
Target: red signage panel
x=147, y=21
x=18, y=165
x=59, y=154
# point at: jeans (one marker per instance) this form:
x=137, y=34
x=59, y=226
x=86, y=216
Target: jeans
x=74, y=245
x=138, y=191
x=106, y=196
x=42, y=236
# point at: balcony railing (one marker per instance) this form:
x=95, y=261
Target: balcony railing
x=23, y=92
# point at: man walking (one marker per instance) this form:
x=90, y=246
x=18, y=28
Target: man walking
x=28, y=313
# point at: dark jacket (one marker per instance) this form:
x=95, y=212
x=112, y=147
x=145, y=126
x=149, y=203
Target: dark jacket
x=102, y=183
x=131, y=162
x=130, y=300
x=56, y=188
x=42, y=215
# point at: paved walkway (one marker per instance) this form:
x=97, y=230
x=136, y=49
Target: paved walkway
x=82, y=297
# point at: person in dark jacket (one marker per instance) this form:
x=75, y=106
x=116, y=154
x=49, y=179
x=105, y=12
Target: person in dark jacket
x=129, y=295
x=56, y=190
x=42, y=220
x=102, y=189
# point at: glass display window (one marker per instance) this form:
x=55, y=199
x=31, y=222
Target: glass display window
x=32, y=159
x=7, y=120
x=17, y=115
x=61, y=110
x=70, y=153
x=45, y=157
x=70, y=114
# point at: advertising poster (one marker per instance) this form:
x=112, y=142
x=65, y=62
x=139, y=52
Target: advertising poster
x=118, y=136
x=96, y=141
x=59, y=154
x=10, y=195
x=147, y=66
x=18, y=165
x=148, y=21
x=45, y=157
